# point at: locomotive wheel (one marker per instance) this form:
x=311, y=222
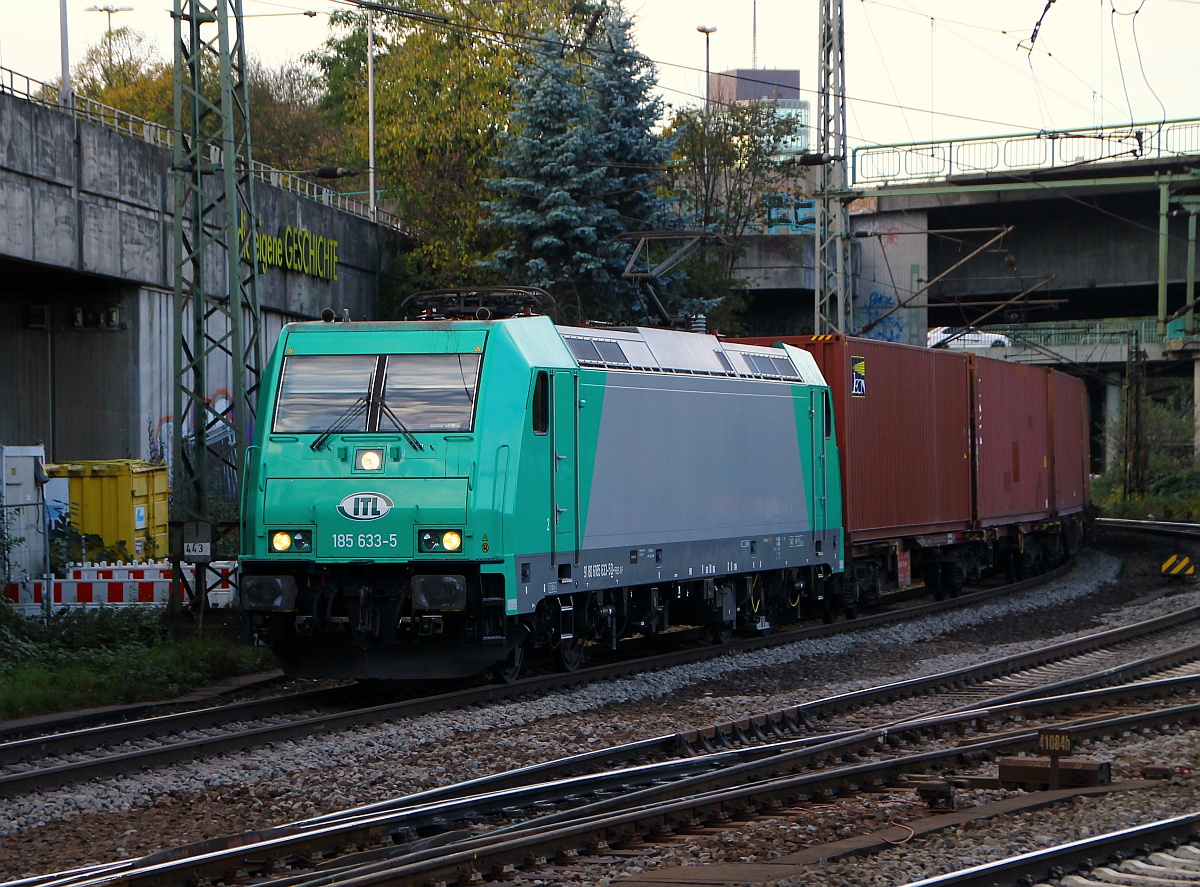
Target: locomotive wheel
x=829, y=608
x=509, y=671
x=569, y=655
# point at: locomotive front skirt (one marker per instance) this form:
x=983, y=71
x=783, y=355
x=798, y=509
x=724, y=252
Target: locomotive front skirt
x=432, y=499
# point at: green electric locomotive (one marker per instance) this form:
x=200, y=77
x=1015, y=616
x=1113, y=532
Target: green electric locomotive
x=430, y=499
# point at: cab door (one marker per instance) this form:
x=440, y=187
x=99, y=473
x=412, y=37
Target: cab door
x=564, y=472
x=819, y=488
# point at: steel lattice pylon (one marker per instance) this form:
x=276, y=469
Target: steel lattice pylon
x=216, y=312
x=832, y=288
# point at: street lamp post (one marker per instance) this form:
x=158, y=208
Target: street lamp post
x=108, y=33
x=64, y=90
x=707, y=31
x=371, y=112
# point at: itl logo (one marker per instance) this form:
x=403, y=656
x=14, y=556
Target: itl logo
x=365, y=506
x=858, y=377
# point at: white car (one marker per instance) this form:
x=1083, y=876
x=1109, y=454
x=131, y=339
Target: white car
x=965, y=337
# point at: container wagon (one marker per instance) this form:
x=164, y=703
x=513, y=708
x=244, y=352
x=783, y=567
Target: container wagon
x=952, y=464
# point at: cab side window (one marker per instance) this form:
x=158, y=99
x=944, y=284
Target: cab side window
x=541, y=403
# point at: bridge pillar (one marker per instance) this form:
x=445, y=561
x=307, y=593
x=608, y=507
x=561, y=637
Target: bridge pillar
x=1112, y=421
x=1196, y=411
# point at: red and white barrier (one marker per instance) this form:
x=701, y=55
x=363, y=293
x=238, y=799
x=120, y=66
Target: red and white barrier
x=116, y=585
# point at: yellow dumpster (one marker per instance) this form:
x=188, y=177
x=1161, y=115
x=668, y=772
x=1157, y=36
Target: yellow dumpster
x=122, y=501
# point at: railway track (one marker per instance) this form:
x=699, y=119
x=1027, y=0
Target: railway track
x=40, y=763
x=1159, y=853
x=1158, y=528
x=696, y=780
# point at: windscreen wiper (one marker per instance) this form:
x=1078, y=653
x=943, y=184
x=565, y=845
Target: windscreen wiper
x=385, y=410
x=341, y=423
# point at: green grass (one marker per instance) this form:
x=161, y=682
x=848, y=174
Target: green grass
x=1172, y=493
x=86, y=659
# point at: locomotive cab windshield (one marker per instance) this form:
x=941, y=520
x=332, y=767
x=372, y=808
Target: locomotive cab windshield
x=327, y=394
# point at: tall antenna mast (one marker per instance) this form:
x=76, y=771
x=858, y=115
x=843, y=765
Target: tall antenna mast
x=754, y=38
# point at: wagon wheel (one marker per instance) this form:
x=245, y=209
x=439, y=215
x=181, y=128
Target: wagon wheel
x=849, y=599
x=721, y=633
x=509, y=670
x=569, y=654
x=952, y=578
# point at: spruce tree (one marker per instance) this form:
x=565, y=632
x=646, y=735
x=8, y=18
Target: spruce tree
x=626, y=111
x=577, y=170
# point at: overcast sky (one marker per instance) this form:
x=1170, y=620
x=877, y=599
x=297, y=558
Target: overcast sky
x=916, y=69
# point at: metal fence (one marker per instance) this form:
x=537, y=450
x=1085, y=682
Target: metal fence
x=923, y=161
x=86, y=109
x=1082, y=332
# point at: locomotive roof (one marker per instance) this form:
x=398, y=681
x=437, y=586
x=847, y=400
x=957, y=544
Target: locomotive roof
x=635, y=349
x=674, y=351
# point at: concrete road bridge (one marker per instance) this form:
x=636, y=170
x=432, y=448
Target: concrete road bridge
x=87, y=272
x=1075, y=246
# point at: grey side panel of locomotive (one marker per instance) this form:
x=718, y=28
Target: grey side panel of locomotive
x=694, y=458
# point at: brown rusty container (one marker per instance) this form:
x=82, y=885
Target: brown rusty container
x=1012, y=429
x=903, y=417
x=1070, y=436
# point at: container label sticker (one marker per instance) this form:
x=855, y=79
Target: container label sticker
x=858, y=377
x=139, y=517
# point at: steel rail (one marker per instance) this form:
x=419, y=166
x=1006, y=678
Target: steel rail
x=484, y=797
x=55, y=776
x=1053, y=862
x=696, y=800
x=1160, y=528
x=82, y=739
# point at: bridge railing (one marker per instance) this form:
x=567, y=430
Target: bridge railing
x=1080, y=332
x=1057, y=149
x=21, y=86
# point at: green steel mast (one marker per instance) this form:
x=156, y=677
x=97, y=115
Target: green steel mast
x=216, y=312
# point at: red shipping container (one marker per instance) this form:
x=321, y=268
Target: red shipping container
x=903, y=418
x=1012, y=432
x=1070, y=428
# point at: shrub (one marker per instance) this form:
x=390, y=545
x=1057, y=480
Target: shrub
x=108, y=656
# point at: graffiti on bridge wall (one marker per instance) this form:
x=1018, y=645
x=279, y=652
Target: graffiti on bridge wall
x=890, y=328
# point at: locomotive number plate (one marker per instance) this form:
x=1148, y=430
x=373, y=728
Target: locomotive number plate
x=365, y=540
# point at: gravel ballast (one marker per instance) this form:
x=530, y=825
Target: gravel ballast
x=115, y=818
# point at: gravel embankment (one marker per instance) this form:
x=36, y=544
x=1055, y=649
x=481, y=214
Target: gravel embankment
x=973, y=843
x=115, y=818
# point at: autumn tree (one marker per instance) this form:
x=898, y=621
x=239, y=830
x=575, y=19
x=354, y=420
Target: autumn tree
x=726, y=169
x=125, y=71
x=443, y=94
x=289, y=128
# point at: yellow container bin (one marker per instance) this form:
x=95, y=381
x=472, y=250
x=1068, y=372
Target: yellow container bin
x=123, y=501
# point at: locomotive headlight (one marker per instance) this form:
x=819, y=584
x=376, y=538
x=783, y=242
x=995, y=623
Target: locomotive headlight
x=368, y=460
x=289, y=540
x=440, y=540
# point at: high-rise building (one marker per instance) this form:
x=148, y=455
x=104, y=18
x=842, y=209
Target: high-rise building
x=776, y=85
